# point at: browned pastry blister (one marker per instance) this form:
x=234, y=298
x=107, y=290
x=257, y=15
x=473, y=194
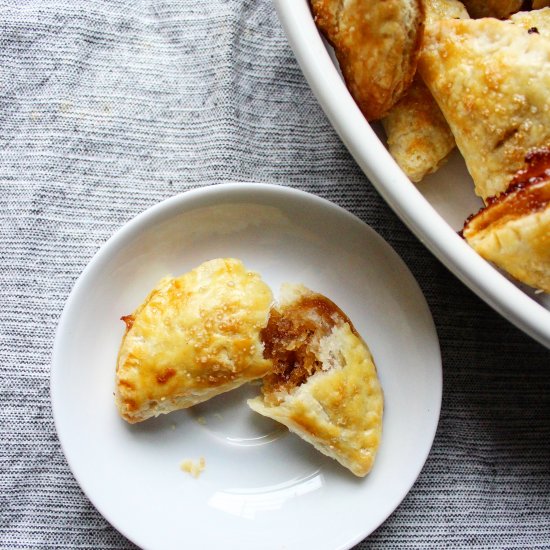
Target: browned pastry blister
x=324, y=385
x=513, y=231
x=377, y=44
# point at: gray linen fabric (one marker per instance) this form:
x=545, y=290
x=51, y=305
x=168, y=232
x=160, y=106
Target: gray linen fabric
x=107, y=107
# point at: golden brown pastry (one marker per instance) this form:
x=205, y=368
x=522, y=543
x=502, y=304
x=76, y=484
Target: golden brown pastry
x=513, y=231
x=491, y=80
x=376, y=44
x=419, y=138
x=492, y=8
x=444, y=9
x=193, y=337
x=324, y=385
x=538, y=4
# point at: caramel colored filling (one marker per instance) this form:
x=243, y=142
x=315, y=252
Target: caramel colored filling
x=528, y=192
x=291, y=340
x=537, y=168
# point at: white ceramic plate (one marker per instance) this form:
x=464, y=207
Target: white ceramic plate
x=434, y=210
x=262, y=487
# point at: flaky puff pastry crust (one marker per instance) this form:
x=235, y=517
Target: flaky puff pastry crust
x=513, y=231
x=419, y=138
x=491, y=80
x=193, y=337
x=533, y=21
x=376, y=43
x=325, y=387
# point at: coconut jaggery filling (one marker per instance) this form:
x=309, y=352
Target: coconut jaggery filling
x=291, y=340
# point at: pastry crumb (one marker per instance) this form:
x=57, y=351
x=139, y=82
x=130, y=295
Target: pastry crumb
x=201, y=420
x=173, y=426
x=218, y=415
x=195, y=468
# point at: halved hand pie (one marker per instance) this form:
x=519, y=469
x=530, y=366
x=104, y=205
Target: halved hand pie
x=324, y=385
x=194, y=337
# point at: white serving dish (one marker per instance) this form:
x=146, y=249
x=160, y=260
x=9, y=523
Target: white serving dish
x=434, y=210
x=262, y=488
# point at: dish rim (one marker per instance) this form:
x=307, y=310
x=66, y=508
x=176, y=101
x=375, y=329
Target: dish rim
x=393, y=185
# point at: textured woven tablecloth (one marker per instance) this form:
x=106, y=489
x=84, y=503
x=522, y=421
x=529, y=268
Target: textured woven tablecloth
x=107, y=108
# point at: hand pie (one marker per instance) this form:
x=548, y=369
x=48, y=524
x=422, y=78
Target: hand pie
x=324, y=386
x=514, y=230
x=194, y=337
x=376, y=44
x=419, y=138
x=491, y=80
